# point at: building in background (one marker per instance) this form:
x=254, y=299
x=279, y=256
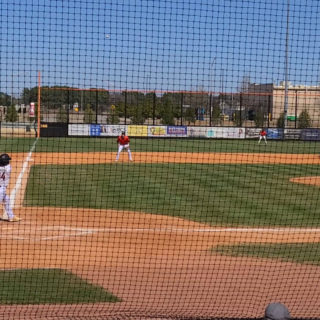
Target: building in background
x=269, y=99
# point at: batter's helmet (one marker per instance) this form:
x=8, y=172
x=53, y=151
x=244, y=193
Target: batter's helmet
x=4, y=159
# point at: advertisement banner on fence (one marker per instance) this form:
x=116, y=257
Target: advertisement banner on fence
x=157, y=131
x=276, y=133
x=95, y=130
x=310, y=134
x=197, y=132
x=234, y=133
x=176, y=131
x=252, y=133
x=112, y=130
x=292, y=134
x=226, y=133
x=79, y=130
x=137, y=131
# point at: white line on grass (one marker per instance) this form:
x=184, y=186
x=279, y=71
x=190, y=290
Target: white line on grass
x=68, y=231
x=17, y=186
x=209, y=230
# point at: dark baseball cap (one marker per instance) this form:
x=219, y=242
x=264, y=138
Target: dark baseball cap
x=277, y=311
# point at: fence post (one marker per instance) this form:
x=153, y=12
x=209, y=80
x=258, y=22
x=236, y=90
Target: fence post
x=240, y=101
x=154, y=108
x=210, y=109
x=96, y=106
x=181, y=109
x=125, y=107
x=296, y=110
x=68, y=119
x=269, y=105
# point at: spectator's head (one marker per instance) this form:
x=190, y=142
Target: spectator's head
x=276, y=311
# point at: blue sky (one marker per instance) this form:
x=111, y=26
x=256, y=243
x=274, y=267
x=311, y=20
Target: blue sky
x=157, y=44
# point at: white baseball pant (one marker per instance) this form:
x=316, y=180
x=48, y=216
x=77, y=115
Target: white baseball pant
x=126, y=147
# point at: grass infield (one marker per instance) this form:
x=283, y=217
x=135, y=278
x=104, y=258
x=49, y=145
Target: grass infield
x=222, y=194
x=54, y=286
x=306, y=253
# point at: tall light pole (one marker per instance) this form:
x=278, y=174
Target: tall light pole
x=286, y=69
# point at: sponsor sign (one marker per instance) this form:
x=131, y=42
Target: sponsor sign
x=112, y=130
x=157, y=131
x=79, y=130
x=275, y=133
x=197, y=132
x=310, y=134
x=234, y=133
x=138, y=131
x=177, y=131
x=252, y=132
x=226, y=133
x=95, y=130
x=292, y=134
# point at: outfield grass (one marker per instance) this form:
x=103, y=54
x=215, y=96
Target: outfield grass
x=233, y=195
x=156, y=145
x=306, y=253
x=54, y=286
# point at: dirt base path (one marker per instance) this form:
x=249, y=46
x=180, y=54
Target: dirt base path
x=157, y=265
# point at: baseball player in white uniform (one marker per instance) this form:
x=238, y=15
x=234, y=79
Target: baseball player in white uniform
x=5, y=171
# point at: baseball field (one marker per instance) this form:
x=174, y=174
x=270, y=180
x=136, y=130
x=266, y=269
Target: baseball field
x=214, y=228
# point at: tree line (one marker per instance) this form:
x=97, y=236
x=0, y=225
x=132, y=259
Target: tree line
x=169, y=107
x=134, y=105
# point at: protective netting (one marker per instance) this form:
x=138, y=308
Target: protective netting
x=159, y=159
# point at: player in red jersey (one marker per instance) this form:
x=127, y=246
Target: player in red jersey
x=263, y=135
x=123, y=143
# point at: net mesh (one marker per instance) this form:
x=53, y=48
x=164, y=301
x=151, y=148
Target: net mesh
x=164, y=159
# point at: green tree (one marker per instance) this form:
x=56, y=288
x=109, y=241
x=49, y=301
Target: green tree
x=259, y=119
x=89, y=115
x=4, y=99
x=190, y=115
x=166, y=114
x=171, y=101
x=304, y=120
x=12, y=114
x=62, y=115
x=216, y=114
x=237, y=118
x=169, y=108
x=113, y=117
x=137, y=115
x=281, y=121
x=148, y=105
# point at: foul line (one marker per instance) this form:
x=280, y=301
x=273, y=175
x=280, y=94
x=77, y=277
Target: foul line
x=20, y=177
x=63, y=232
